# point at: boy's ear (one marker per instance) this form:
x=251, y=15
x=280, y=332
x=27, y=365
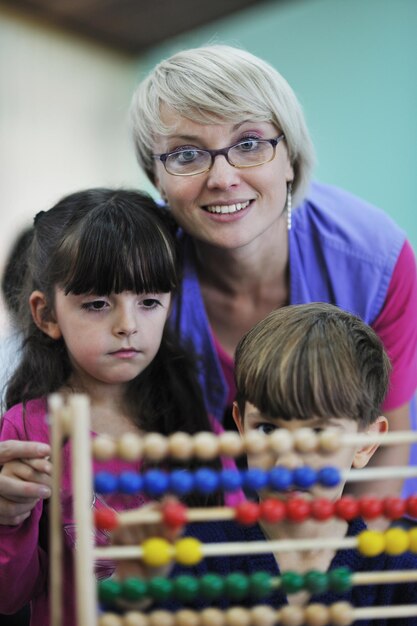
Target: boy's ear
x=364, y=454
x=43, y=316
x=237, y=417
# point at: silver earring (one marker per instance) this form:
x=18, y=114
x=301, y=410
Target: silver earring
x=289, y=205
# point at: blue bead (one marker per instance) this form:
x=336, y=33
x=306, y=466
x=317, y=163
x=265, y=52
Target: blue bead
x=130, y=482
x=329, y=476
x=105, y=482
x=280, y=478
x=206, y=480
x=230, y=479
x=305, y=477
x=181, y=482
x=255, y=478
x=155, y=482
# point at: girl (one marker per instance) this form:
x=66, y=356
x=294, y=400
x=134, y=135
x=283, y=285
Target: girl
x=100, y=275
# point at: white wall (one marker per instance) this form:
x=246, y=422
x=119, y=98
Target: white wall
x=63, y=105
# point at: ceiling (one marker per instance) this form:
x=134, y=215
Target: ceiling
x=130, y=26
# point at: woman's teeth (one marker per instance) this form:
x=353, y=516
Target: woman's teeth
x=227, y=208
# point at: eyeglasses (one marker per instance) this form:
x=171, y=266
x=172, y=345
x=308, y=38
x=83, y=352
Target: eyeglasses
x=246, y=153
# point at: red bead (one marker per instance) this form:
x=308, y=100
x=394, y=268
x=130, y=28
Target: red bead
x=346, y=508
x=272, y=510
x=412, y=506
x=247, y=513
x=174, y=514
x=370, y=507
x=106, y=519
x=298, y=510
x=394, y=507
x=322, y=509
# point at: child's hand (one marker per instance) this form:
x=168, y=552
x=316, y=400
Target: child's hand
x=23, y=481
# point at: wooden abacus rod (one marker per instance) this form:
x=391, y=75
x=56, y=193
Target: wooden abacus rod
x=207, y=445
x=55, y=516
x=190, y=551
x=378, y=473
x=315, y=614
x=380, y=578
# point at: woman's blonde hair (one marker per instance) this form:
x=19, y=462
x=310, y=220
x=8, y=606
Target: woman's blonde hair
x=219, y=82
x=312, y=360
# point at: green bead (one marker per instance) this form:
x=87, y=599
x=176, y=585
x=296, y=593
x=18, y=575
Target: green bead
x=259, y=585
x=236, y=586
x=211, y=586
x=315, y=581
x=109, y=590
x=134, y=589
x=160, y=588
x=291, y=582
x=340, y=579
x=186, y=588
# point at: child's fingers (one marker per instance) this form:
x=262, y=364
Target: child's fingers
x=25, y=472
x=13, y=449
x=43, y=466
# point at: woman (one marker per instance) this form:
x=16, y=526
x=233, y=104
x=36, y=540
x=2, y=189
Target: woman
x=223, y=138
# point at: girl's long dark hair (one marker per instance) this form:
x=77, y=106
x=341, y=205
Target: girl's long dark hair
x=102, y=241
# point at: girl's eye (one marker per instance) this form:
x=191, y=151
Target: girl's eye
x=95, y=305
x=266, y=428
x=150, y=303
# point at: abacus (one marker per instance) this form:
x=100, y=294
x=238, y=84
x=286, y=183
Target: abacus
x=72, y=420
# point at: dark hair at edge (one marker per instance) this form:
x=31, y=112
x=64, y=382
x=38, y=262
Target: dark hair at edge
x=102, y=241
x=312, y=360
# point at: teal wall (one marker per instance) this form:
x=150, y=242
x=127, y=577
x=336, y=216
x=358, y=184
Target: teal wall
x=353, y=65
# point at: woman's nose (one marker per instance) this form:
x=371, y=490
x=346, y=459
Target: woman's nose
x=222, y=175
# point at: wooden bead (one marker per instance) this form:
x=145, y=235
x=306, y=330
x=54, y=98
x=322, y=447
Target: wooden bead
x=262, y=615
x=129, y=447
x=255, y=442
x=206, y=446
x=329, y=441
x=305, y=440
x=212, y=617
x=316, y=615
x=231, y=444
x=237, y=616
x=291, y=616
x=281, y=441
x=161, y=618
x=110, y=619
x=135, y=618
x=103, y=448
x=341, y=614
x=155, y=447
x=187, y=617
x=180, y=446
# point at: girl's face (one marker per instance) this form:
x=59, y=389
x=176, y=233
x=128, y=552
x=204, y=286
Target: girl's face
x=250, y=200
x=111, y=339
x=343, y=459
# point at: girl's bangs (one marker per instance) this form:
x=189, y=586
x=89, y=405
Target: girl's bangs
x=114, y=256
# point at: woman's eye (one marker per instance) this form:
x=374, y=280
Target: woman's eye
x=95, y=305
x=248, y=145
x=266, y=428
x=184, y=156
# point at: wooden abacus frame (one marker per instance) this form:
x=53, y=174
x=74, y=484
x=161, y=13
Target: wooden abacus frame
x=73, y=419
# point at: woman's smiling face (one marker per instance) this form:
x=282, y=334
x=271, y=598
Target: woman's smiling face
x=226, y=206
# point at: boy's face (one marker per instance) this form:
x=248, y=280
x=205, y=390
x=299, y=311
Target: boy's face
x=343, y=459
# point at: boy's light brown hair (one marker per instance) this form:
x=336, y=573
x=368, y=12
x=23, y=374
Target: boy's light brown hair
x=312, y=360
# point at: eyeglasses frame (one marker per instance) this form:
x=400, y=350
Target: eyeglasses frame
x=224, y=152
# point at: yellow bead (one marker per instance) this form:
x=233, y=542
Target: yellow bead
x=188, y=551
x=371, y=542
x=157, y=552
x=397, y=541
x=412, y=536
